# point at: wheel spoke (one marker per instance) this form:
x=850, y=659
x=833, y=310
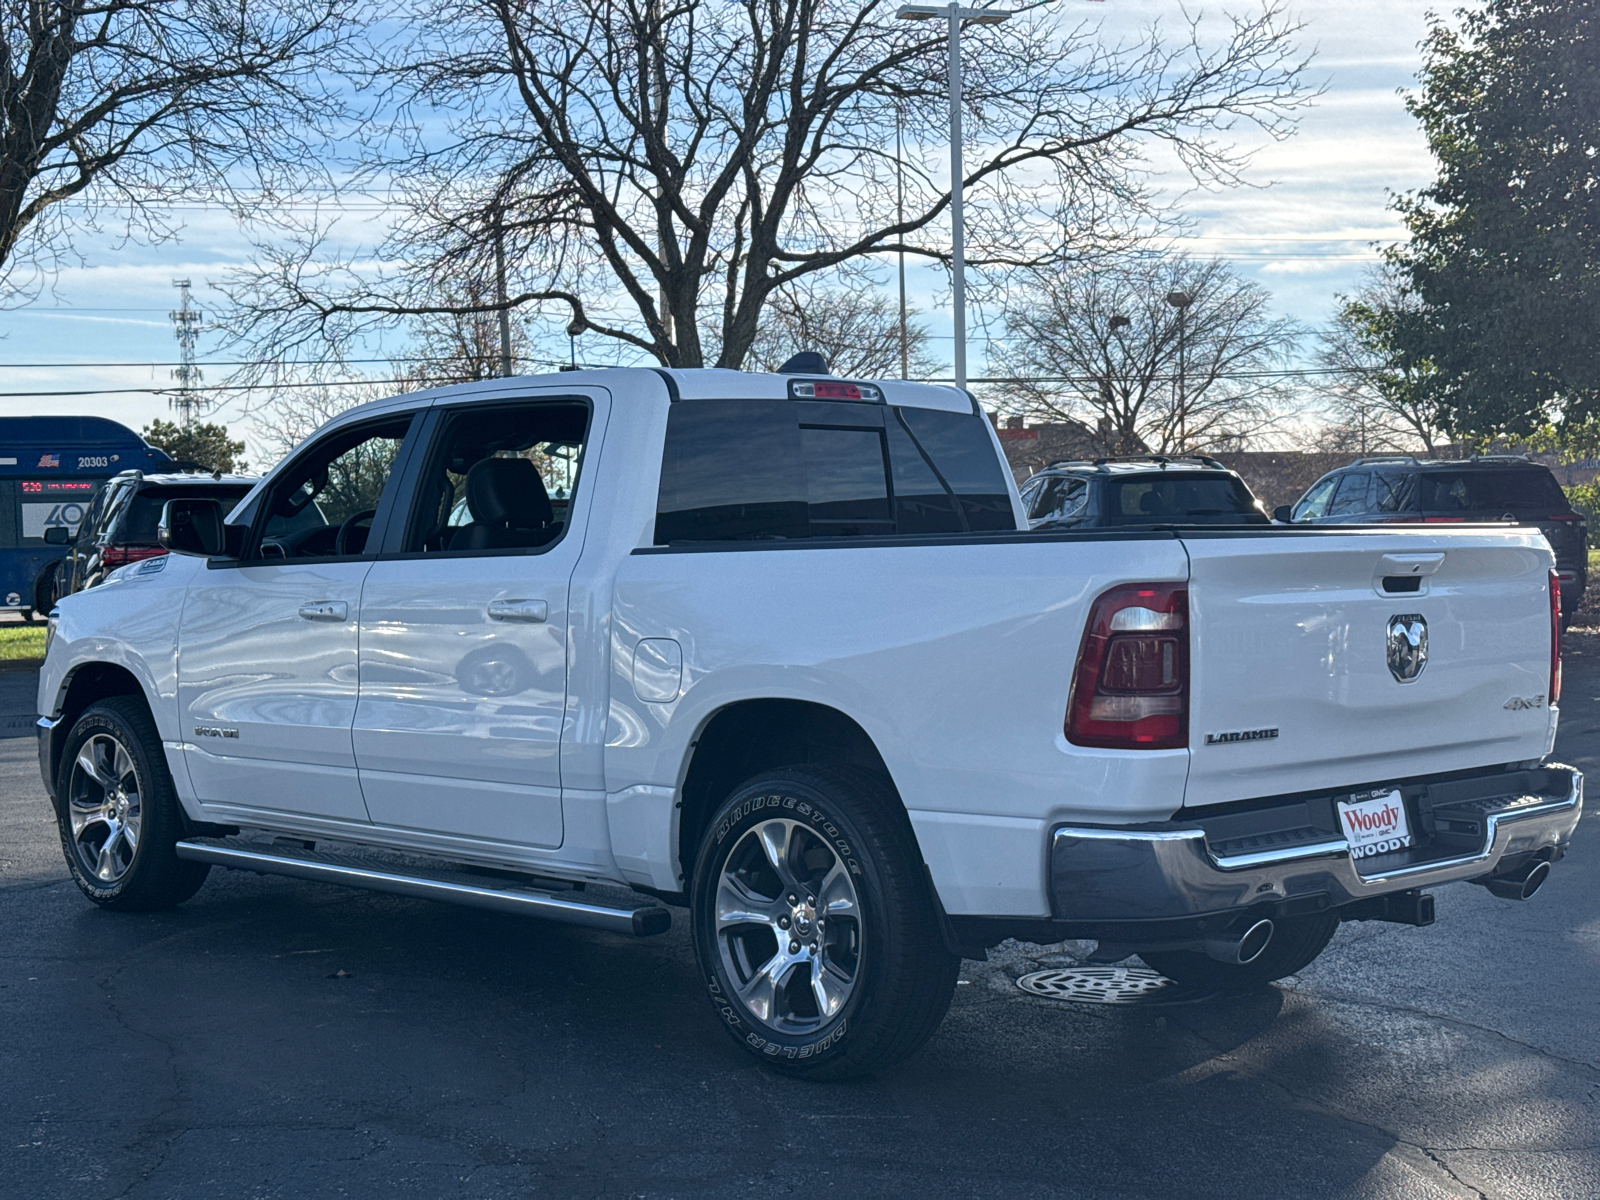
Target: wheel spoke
x=84, y=815
x=738, y=905
x=776, y=841
x=107, y=867
x=122, y=762
x=837, y=895
x=760, y=994
x=89, y=767
x=828, y=989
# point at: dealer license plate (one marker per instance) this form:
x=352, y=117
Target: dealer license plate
x=1375, y=823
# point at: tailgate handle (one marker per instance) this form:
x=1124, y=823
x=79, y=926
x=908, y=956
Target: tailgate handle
x=1420, y=563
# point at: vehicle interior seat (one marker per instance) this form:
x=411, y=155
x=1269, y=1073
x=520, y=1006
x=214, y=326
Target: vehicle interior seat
x=509, y=505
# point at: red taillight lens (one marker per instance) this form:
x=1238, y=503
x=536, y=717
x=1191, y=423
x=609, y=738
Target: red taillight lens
x=121, y=556
x=1555, y=637
x=1131, y=687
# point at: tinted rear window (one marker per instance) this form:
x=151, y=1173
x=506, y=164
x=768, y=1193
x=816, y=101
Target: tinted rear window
x=1156, y=498
x=757, y=469
x=143, y=514
x=1481, y=489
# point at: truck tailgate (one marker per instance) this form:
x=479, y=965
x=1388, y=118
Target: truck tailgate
x=1292, y=688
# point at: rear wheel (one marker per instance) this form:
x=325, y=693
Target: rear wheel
x=119, y=813
x=1295, y=942
x=815, y=925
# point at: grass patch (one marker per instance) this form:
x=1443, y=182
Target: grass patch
x=21, y=641
x=1594, y=562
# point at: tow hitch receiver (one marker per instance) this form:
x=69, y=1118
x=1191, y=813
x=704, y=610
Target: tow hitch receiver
x=1413, y=907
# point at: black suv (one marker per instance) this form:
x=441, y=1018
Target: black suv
x=1139, y=489
x=1499, y=487
x=120, y=527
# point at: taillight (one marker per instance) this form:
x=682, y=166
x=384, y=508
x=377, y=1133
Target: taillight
x=1442, y=520
x=1131, y=687
x=1555, y=638
x=121, y=556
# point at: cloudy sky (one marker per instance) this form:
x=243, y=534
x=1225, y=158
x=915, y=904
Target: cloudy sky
x=1304, y=229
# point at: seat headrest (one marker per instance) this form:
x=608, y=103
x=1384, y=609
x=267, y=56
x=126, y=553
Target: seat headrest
x=1151, y=502
x=508, y=492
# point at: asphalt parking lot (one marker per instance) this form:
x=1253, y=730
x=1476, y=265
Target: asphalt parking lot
x=277, y=1038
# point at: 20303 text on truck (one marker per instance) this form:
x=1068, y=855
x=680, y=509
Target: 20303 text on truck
x=779, y=650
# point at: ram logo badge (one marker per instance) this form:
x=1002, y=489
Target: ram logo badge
x=215, y=731
x=1240, y=735
x=1408, y=646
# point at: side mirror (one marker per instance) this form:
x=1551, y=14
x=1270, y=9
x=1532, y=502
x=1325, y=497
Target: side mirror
x=192, y=527
x=1283, y=513
x=57, y=535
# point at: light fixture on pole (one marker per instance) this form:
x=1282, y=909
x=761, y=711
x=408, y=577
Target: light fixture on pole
x=1181, y=302
x=955, y=14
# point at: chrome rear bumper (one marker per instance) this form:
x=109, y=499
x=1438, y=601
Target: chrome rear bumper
x=1170, y=871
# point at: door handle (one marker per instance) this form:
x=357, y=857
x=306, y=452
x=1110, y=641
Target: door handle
x=325, y=610
x=532, y=611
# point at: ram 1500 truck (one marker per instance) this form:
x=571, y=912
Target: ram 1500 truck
x=779, y=650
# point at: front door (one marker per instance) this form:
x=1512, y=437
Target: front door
x=267, y=674
x=464, y=631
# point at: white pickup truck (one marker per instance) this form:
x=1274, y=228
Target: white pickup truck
x=772, y=648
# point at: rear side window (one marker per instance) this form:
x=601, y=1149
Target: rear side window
x=1153, y=497
x=1490, y=490
x=1392, y=491
x=774, y=469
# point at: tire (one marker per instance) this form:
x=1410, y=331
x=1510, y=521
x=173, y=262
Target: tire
x=1295, y=942
x=114, y=783
x=845, y=847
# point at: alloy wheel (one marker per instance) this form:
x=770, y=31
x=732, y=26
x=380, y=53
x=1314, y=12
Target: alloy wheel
x=103, y=804
x=788, y=926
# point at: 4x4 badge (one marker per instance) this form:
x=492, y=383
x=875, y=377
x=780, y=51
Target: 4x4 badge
x=1407, y=646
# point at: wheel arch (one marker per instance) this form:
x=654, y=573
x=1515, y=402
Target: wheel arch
x=86, y=684
x=745, y=737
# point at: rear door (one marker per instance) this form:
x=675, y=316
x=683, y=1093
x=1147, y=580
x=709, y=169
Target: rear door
x=1292, y=653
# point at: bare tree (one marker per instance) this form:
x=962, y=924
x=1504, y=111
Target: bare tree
x=658, y=172
x=119, y=106
x=462, y=346
x=1378, y=399
x=856, y=329
x=1107, y=346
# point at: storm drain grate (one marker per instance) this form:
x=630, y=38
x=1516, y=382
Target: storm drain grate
x=1106, y=985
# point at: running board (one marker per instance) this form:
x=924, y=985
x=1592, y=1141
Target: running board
x=428, y=884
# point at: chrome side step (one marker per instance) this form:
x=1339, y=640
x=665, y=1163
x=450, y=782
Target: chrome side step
x=429, y=884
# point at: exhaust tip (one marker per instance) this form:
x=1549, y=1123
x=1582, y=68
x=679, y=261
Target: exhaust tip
x=1239, y=949
x=1519, y=885
x=1254, y=942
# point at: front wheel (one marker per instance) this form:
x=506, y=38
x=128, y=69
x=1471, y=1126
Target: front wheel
x=119, y=813
x=1295, y=942
x=815, y=925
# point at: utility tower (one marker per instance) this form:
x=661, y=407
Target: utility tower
x=186, y=328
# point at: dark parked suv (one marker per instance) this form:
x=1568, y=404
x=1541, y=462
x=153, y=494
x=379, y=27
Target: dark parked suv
x=120, y=527
x=1142, y=489
x=1501, y=487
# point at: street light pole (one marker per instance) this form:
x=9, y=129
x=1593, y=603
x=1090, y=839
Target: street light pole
x=955, y=14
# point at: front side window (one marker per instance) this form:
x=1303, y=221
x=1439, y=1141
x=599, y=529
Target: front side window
x=499, y=478
x=1062, y=499
x=1351, y=498
x=1315, y=502
x=323, y=503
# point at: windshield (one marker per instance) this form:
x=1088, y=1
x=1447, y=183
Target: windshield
x=1495, y=490
x=1167, y=497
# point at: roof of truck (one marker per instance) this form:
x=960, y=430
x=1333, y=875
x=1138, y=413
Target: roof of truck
x=706, y=383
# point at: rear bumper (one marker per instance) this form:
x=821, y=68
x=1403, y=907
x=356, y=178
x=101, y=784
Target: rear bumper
x=1171, y=872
